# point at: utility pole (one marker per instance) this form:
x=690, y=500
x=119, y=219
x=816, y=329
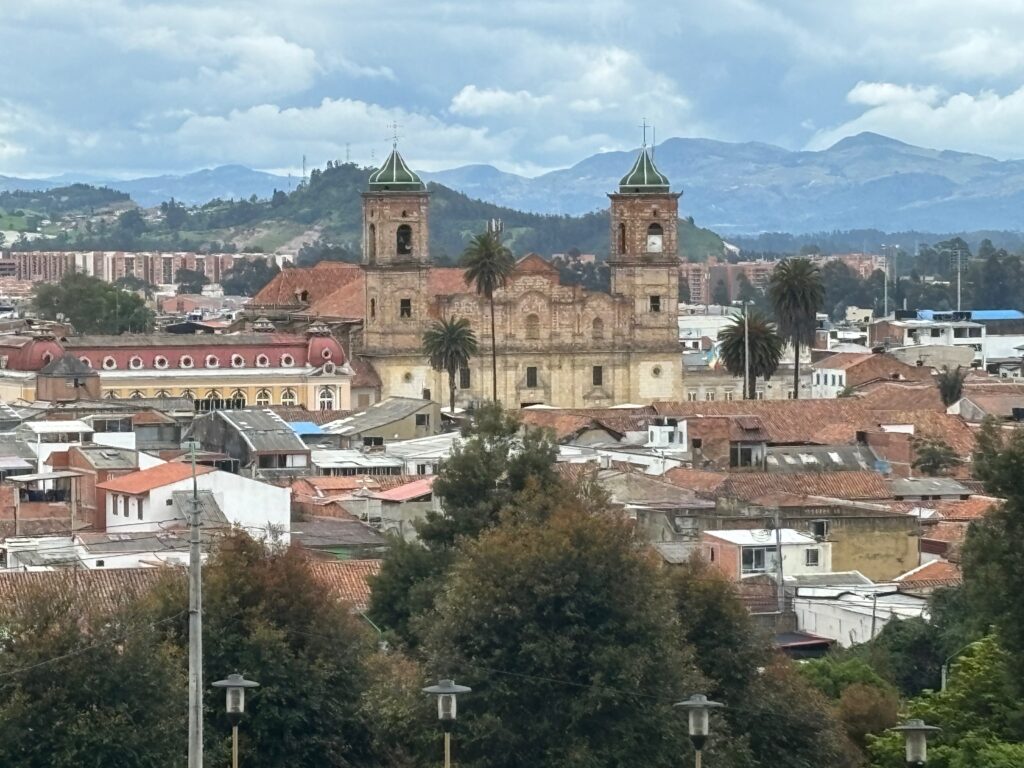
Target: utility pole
x=747, y=394
x=195, y=629
x=779, y=575
x=885, y=283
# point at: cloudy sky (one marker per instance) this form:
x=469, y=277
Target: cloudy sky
x=126, y=87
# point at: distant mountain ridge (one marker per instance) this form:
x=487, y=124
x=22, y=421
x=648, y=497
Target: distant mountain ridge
x=866, y=181
x=863, y=181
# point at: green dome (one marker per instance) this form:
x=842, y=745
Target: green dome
x=395, y=176
x=643, y=176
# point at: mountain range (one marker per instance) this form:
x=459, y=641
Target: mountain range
x=866, y=181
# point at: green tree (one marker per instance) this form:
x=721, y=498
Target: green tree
x=136, y=284
x=950, y=384
x=190, y=280
x=267, y=618
x=566, y=633
x=131, y=225
x=934, y=457
x=248, y=277
x=81, y=686
x=449, y=345
x=175, y=214
x=92, y=305
x=765, y=348
x=797, y=294
x=488, y=264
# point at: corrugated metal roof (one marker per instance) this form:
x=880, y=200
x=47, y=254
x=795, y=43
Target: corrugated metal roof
x=262, y=429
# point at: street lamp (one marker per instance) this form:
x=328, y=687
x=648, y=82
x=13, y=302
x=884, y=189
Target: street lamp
x=235, y=686
x=916, y=734
x=699, y=707
x=446, y=692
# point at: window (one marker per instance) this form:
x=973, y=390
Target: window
x=188, y=394
x=425, y=394
x=288, y=397
x=759, y=394
x=819, y=528
x=138, y=508
x=373, y=308
x=655, y=235
x=597, y=375
x=124, y=506
x=371, y=245
x=709, y=395
x=212, y=361
x=162, y=393
x=691, y=395
x=622, y=238
x=405, y=308
x=237, y=361
x=812, y=557
x=421, y=469
x=532, y=327
x=287, y=361
x=531, y=377
x=741, y=455
x=757, y=559
x=464, y=378
x=728, y=395
x=238, y=399
x=263, y=397
x=422, y=419
x=789, y=395
x=403, y=240
x=654, y=303
x=597, y=329
x=100, y=563
x=372, y=442
x=326, y=400
x=697, y=443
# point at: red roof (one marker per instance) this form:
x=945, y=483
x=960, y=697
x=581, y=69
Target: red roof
x=409, y=491
x=346, y=580
x=934, y=573
x=145, y=480
x=973, y=508
x=318, y=282
x=348, y=301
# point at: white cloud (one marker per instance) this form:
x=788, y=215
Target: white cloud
x=982, y=122
x=479, y=102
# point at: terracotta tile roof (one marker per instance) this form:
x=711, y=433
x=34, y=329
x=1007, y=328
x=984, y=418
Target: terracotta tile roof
x=145, y=480
x=902, y=396
x=445, y=281
x=947, y=427
x=856, y=486
x=566, y=422
x=948, y=532
x=696, y=479
x=347, y=302
x=151, y=417
x=318, y=281
x=973, y=508
x=321, y=486
x=386, y=482
x=366, y=376
x=346, y=580
x=785, y=421
x=931, y=574
x=409, y=491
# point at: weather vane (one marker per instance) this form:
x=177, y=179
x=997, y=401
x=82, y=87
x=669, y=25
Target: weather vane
x=394, y=134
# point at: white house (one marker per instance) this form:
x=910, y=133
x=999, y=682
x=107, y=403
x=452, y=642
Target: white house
x=157, y=498
x=851, y=615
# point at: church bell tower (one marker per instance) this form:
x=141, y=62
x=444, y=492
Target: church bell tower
x=396, y=258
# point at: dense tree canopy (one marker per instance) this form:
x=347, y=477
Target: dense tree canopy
x=248, y=276
x=92, y=305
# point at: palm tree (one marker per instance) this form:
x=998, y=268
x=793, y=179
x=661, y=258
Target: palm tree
x=797, y=292
x=950, y=384
x=488, y=264
x=449, y=345
x=765, y=348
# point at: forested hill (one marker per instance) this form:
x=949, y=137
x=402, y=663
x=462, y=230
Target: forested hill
x=327, y=211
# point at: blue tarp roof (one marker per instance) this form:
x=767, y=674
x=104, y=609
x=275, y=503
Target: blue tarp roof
x=305, y=428
x=977, y=314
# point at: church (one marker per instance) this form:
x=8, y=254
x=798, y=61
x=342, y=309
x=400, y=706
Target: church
x=557, y=344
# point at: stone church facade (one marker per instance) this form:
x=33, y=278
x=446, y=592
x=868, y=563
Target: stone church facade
x=557, y=344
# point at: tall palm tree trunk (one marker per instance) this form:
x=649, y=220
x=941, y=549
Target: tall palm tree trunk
x=796, y=369
x=451, y=391
x=494, y=356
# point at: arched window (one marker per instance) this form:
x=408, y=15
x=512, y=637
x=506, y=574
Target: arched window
x=263, y=397
x=597, y=329
x=238, y=399
x=288, y=397
x=188, y=394
x=403, y=240
x=655, y=235
x=622, y=238
x=532, y=327
x=162, y=393
x=326, y=399
x=112, y=395
x=371, y=244
x=136, y=395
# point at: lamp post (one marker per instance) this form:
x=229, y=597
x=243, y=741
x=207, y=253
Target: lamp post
x=698, y=707
x=916, y=733
x=195, y=624
x=446, y=692
x=235, y=686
